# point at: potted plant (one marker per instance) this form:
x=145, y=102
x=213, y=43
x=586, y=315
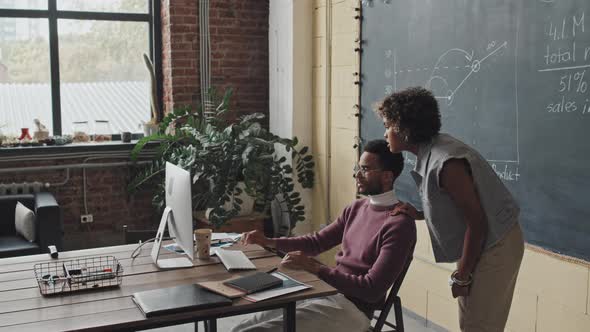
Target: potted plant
x=220, y=154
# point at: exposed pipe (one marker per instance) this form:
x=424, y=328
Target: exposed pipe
x=59, y=184
x=357, y=107
x=328, y=106
x=201, y=48
x=67, y=156
x=69, y=166
x=205, y=56
x=84, y=174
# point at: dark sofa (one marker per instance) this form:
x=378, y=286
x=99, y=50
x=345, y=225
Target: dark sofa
x=48, y=222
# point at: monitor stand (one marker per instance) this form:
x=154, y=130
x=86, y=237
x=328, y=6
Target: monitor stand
x=168, y=263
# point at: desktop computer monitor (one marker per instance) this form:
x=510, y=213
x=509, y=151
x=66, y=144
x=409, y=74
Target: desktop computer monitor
x=178, y=197
x=178, y=216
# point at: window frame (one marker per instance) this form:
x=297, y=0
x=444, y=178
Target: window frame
x=52, y=14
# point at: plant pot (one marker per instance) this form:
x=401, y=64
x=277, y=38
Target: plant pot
x=150, y=129
x=41, y=135
x=246, y=207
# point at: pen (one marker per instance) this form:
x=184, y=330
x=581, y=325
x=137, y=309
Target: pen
x=272, y=270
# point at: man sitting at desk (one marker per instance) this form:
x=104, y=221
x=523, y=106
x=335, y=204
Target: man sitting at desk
x=375, y=248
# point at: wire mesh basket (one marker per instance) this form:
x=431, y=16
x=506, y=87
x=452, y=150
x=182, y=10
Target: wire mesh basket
x=79, y=274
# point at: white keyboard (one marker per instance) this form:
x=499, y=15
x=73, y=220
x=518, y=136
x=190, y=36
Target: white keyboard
x=235, y=260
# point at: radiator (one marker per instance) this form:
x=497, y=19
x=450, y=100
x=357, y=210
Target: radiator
x=21, y=188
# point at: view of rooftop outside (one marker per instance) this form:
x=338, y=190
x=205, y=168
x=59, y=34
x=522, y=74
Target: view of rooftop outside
x=108, y=52
x=24, y=60
x=92, y=54
x=23, y=4
x=113, y=6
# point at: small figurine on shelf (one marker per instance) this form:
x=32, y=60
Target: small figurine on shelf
x=103, y=131
x=10, y=141
x=24, y=134
x=80, y=132
x=42, y=133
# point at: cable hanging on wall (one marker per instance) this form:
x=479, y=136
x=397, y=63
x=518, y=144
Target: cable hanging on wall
x=205, y=58
x=358, y=74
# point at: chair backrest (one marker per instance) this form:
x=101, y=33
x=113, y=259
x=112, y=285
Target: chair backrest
x=391, y=299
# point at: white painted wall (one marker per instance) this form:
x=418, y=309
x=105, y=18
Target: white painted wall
x=280, y=61
x=290, y=77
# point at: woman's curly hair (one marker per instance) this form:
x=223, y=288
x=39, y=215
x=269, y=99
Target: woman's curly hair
x=413, y=112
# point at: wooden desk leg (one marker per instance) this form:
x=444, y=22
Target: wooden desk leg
x=211, y=325
x=289, y=317
x=197, y=326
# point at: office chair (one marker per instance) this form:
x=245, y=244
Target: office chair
x=392, y=300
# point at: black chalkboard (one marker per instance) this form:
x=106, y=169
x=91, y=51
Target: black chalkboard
x=512, y=80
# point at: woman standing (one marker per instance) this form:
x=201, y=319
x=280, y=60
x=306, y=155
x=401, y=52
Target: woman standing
x=471, y=216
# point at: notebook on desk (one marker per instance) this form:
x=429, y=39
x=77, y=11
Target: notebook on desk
x=288, y=286
x=219, y=287
x=177, y=299
x=235, y=260
x=254, y=282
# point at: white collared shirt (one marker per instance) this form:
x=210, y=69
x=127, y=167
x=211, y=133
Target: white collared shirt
x=387, y=198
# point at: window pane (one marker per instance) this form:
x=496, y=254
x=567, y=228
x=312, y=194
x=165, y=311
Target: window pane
x=25, y=92
x=23, y=4
x=103, y=75
x=115, y=6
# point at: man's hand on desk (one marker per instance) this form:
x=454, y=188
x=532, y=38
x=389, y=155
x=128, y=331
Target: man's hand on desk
x=257, y=237
x=297, y=260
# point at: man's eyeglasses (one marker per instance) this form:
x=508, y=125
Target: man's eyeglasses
x=363, y=170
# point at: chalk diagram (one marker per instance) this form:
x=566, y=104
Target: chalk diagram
x=456, y=70
x=437, y=82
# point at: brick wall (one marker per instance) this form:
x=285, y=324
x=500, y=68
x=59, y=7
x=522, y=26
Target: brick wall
x=239, y=45
x=239, y=52
x=106, y=197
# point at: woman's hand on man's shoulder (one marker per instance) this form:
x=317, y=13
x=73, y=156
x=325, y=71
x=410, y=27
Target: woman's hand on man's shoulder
x=407, y=209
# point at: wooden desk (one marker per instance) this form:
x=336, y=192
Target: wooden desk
x=23, y=308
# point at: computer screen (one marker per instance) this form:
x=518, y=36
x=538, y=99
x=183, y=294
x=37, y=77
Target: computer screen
x=178, y=198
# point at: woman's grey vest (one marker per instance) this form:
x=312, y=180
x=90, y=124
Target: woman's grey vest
x=445, y=221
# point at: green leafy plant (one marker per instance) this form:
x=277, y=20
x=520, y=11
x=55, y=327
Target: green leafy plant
x=219, y=154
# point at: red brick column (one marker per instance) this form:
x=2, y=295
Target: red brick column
x=239, y=52
x=180, y=53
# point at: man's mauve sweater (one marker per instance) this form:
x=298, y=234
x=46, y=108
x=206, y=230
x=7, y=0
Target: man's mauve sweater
x=374, y=248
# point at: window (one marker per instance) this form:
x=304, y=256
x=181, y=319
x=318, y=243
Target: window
x=70, y=61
